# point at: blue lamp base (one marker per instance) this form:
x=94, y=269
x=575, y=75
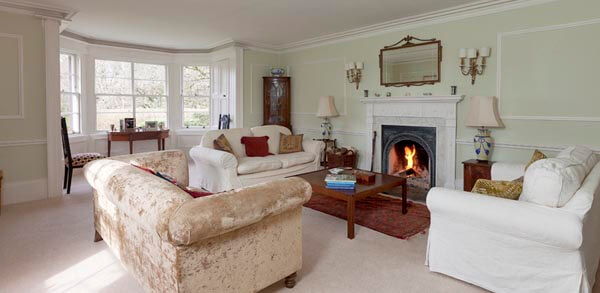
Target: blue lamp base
x=483, y=144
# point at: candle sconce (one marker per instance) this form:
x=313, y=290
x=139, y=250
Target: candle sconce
x=354, y=72
x=472, y=55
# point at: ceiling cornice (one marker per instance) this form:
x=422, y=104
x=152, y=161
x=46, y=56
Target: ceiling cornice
x=475, y=9
x=92, y=41
x=479, y=8
x=38, y=10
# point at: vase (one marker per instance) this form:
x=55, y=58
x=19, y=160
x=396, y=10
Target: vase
x=326, y=129
x=483, y=144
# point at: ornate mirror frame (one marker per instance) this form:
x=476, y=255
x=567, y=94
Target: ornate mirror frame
x=408, y=42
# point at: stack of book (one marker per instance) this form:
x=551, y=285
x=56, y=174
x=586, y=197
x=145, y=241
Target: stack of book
x=340, y=181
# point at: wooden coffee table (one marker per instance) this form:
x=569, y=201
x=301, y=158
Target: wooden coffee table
x=382, y=183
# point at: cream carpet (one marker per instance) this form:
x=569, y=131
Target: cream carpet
x=46, y=246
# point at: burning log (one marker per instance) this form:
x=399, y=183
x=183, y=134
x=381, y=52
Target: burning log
x=406, y=172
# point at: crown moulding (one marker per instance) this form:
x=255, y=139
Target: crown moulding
x=38, y=10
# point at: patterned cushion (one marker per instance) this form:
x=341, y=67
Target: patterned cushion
x=84, y=158
x=222, y=144
x=290, y=143
x=503, y=189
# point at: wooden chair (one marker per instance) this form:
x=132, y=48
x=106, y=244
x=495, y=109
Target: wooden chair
x=73, y=161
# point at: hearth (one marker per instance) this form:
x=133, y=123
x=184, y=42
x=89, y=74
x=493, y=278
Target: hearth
x=410, y=151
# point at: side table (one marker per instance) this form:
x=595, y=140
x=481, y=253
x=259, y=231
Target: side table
x=475, y=169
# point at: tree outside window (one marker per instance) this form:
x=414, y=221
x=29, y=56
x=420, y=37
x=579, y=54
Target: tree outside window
x=195, y=94
x=127, y=89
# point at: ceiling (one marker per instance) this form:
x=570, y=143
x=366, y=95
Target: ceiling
x=203, y=24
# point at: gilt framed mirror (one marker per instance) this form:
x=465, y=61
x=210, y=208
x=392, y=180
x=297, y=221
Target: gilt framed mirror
x=411, y=62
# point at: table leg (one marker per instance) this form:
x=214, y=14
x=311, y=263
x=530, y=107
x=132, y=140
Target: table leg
x=404, y=199
x=163, y=144
x=159, y=148
x=108, y=154
x=350, y=218
x=130, y=147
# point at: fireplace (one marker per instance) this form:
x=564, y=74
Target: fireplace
x=410, y=151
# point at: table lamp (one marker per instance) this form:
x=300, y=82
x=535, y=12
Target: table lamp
x=483, y=114
x=326, y=109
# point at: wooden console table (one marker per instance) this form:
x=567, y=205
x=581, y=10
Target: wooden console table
x=133, y=135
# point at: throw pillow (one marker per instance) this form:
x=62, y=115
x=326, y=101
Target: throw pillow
x=256, y=146
x=552, y=182
x=290, y=143
x=504, y=189
x=222, y=144
x=581, y=155
x=194, y=192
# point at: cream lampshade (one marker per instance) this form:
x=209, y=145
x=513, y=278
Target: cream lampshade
x=326, y=109
x=483, y=112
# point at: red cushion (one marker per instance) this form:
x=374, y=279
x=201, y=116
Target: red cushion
x=256, y=146
x=196, y=193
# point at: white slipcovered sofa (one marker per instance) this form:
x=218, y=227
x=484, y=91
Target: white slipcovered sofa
x=218, y=171
x=517, y=245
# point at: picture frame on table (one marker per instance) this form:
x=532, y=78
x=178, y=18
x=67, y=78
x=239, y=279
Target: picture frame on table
x=129, y=123
x=151, y=125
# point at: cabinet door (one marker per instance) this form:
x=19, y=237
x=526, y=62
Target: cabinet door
x=277, y=101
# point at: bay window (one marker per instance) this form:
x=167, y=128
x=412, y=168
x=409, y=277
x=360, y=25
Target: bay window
x=195, y=95
x=70, y=91
x=128, y=89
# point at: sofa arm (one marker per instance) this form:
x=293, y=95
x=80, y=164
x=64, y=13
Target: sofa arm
x=313, y=146
x=215, y=158
x=520, y=219
x=507, y=171
x=218, y=214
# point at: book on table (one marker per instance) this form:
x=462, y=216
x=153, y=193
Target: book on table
x=340, y=181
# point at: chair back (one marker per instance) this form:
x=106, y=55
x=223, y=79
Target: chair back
x=65, y=141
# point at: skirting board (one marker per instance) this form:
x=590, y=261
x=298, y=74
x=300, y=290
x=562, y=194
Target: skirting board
x=23, y=191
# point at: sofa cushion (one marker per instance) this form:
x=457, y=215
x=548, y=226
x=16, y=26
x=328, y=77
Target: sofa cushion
x=581, y=155
x=295, y=159
x=251, y=165
x=290, y=143
x=272, y=131
x=552, y=182
x=256, y=146
x=233, y=135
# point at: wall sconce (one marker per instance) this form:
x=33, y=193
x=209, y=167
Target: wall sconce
x=354, y=72
x=473, y=69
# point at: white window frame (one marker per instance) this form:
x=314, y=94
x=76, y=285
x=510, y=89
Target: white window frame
x=75, y=80
x=209, y=97
x=133, y=96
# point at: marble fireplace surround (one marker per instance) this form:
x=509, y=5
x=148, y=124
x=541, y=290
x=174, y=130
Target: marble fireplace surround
x=430, y=111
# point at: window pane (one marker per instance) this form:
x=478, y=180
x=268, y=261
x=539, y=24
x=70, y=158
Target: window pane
x=113, y=86
x=149, y=71
x=64, y=64
x=104, y=120
x=191, y=119
x=66, y=104
x=117, y=69
x=141, y=118
x=195, y=104
x=196, y=81
x=151, y=104
x=114, y=104
x=145, y=87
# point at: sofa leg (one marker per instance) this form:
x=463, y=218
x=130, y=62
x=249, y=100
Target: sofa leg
x=97, y=236
x=290, y=281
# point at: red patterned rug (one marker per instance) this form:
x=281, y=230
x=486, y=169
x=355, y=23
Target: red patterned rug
x=380, y=214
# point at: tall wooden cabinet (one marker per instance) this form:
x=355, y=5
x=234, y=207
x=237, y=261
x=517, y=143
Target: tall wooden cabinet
x=276, y=102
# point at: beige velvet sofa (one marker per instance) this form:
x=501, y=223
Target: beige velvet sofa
x=238, y=241
x=220, y=171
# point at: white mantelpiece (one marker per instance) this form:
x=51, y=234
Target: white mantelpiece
x=429, y=111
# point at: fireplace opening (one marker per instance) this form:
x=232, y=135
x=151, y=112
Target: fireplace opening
x=410, y=151
x=408, y=158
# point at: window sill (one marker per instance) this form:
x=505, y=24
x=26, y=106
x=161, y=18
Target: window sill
x=191, y=131
x=77, y=137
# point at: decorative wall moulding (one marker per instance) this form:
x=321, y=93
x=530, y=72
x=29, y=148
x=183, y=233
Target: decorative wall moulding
x=20, y=114
x=22, y=142
x=517, y=146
